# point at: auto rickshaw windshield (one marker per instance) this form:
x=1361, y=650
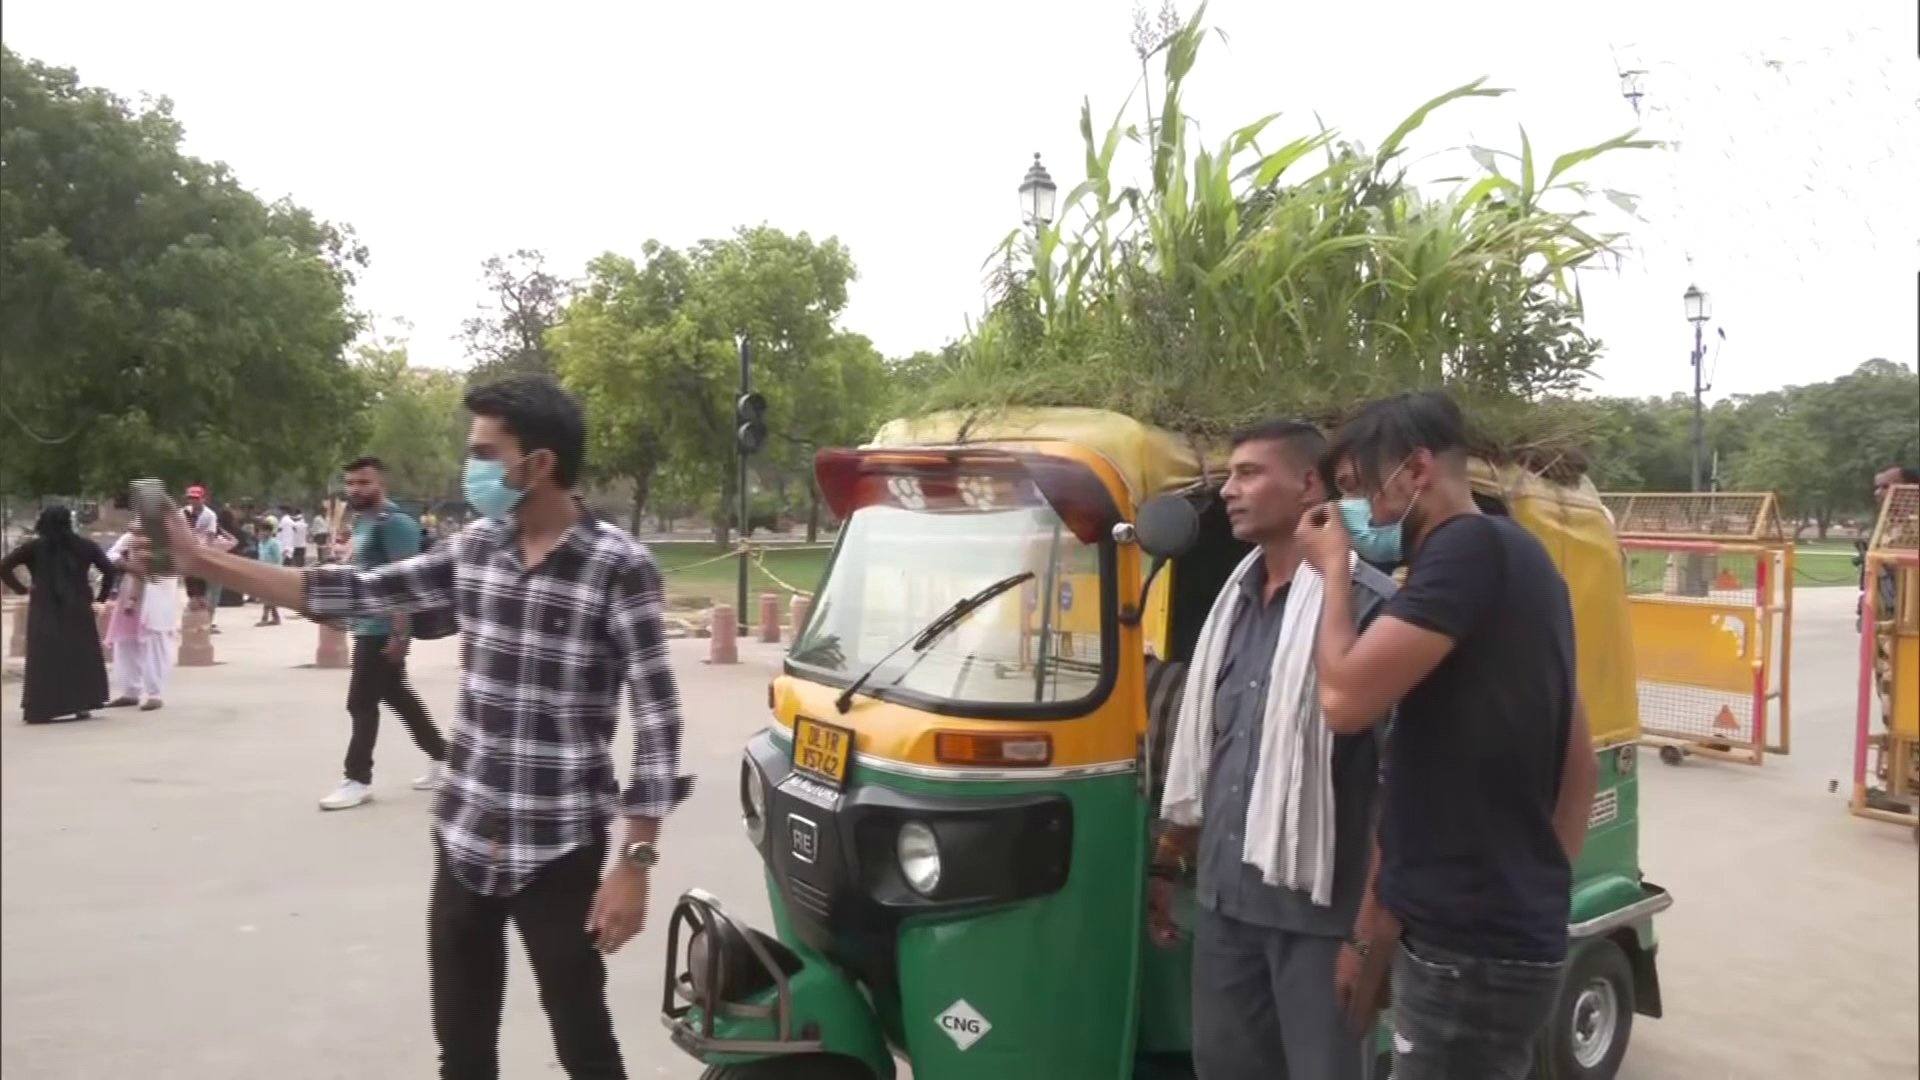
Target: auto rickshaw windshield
x=898, y=567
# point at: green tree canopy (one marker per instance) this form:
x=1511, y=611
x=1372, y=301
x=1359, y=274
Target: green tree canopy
x=156, y=317
x=508, y=335
x=415, y=422
x=651, y=346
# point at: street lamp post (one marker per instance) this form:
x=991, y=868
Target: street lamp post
x=1699, y=310
x=1037, y=192
x=1633, y=87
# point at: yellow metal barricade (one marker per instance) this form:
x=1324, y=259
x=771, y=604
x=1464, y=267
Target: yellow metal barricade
x=1886, y=752
x=1710, y=578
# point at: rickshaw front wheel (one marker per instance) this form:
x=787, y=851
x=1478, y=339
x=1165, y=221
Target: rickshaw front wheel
x=800, y=1067
x=1586, y=1039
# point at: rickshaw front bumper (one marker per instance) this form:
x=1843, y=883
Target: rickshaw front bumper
x=730, y=990
x=733, y=994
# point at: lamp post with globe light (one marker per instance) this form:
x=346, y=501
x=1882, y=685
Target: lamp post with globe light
x=1037, y=193
x=1699, y=307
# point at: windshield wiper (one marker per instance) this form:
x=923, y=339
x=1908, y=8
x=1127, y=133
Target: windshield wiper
x=933, y=632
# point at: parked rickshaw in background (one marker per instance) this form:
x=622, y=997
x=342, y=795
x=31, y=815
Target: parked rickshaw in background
x=954, y=796
x=1886, y=752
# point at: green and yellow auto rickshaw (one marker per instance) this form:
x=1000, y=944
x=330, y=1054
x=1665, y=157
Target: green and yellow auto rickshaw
x=954, y=797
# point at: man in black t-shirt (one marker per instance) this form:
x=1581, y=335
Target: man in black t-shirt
x=1492, y=772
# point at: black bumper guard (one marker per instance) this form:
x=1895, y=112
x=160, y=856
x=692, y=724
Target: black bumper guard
x=702, y=914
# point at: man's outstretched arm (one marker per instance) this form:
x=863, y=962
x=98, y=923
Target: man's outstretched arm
x=329, y=592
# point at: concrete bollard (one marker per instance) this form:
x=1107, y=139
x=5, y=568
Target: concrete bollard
x=797, y=617
x=196, y=636
x=723, y=643
x=332, y=651
x=17, y=641
x=770, y=618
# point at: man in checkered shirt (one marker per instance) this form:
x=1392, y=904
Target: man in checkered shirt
x=556, y=610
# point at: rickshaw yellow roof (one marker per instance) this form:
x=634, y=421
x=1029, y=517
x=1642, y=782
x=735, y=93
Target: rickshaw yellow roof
x=1154, y=460
x=1151, y=460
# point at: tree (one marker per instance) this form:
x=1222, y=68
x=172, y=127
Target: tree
x=1788, y=459
x=509, y=336
x=157, y=318
x=416, y=424
x=612, y=346
x=651, y=346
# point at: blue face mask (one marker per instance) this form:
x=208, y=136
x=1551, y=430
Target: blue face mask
x=1382, y=545
x=1377, y=544
x=485, y=483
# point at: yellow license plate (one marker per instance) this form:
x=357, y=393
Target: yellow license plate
x=821, y=750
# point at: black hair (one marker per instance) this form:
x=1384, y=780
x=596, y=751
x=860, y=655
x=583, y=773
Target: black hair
x=1384, y=433
x=367, y=461
x=1909, y=476
x=1298, y=439
x=536, y=410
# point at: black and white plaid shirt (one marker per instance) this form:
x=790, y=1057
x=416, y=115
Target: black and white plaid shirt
x=529, y=773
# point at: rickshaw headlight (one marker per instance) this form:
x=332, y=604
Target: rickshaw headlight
x=919, y=853
x=753, y=801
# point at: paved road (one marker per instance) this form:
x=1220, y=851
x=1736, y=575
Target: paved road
x=176, y=907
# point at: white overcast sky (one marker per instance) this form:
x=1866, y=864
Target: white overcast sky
x=446, y=133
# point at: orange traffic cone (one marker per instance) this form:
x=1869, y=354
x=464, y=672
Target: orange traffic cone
x=1726, y=582
x=1725, y=720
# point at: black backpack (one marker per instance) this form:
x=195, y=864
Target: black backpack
x=428, y=624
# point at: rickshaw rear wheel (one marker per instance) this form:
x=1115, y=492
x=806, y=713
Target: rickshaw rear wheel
x=1593, y=1018
x=800, y=1067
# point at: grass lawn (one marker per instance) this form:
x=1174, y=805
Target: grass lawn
x=695, y=577
x=1815, y=566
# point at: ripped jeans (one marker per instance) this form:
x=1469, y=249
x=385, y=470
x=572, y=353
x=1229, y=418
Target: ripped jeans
x=1458, y=1017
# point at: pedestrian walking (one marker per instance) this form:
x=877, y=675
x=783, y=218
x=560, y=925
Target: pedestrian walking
x=267, y=550
x=1492, y=774
x=292, y=531
x=144, y=631
x=66, y=673
x=556, y=609
x=205, y=525
x=381, y=535
x=1283, y=847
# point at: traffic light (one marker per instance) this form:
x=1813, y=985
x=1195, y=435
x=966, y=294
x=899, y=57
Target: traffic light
x=750, y=412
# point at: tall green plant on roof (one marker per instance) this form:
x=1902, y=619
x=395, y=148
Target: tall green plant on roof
x=1250, y=277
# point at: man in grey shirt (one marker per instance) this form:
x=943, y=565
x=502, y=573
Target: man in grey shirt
x=1264, y=956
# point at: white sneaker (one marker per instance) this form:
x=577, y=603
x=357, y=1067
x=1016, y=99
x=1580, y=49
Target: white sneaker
x=431, y=780
x=349, y=794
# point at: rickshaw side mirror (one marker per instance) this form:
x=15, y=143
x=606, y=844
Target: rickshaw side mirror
x=1167, y=527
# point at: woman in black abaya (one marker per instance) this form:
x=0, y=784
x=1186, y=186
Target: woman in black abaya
x=66, y=674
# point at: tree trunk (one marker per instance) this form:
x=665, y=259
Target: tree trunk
x=642, y=490
x=1824, y=521
x=813, y=512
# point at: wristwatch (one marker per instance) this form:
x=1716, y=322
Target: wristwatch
x=640, y=853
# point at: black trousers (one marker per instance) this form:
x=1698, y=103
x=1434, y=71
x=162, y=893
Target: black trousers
x=467, y=959
x=378, y=680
